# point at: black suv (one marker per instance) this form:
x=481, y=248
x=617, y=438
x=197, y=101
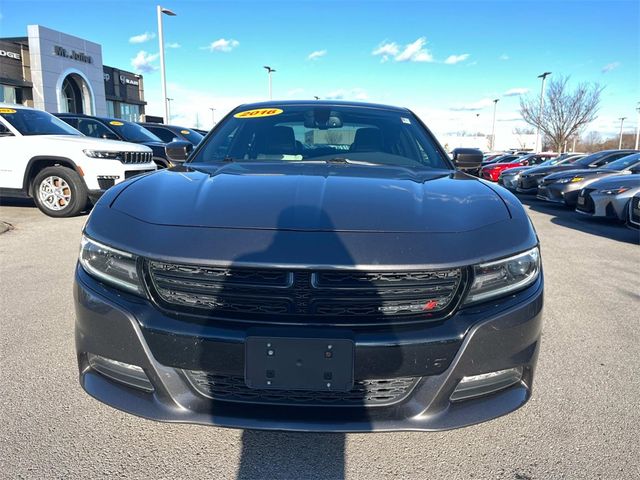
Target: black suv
x=320, y=266
x=165, y=154
x=171, y=133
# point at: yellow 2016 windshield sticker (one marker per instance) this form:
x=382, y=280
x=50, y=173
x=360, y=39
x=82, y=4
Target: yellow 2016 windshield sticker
x=117, y=124
x=184, y=132
x=7, y=110
x=259, y=112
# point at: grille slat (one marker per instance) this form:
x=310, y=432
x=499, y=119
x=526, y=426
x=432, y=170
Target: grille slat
x=301, y=296
x=135, y=157
x=376, y=392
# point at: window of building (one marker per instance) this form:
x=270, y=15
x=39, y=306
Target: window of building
x=10, y=94
x=130, y=112
x=111, y=109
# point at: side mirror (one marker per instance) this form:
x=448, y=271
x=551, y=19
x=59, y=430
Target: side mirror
x=178, y=151
x=467, y=158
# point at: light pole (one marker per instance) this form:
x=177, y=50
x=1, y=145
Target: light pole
x=493, y=128
x=163, y=76
x=538, y=142
x=269, y=71
x=169, y=100
x=622, y=119
x=637, y=125
x=213, y=119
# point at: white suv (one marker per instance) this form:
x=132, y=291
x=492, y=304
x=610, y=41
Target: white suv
x=44, y=158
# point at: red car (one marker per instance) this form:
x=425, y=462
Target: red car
x=493, y=170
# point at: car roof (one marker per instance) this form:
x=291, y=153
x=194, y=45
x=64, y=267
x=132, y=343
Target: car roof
x=84, y=115
x=328, y=103
x=16, y=105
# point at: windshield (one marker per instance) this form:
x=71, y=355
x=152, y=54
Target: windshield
x=344, y=134
x=589, y=159
x=191, y=135
x=624, y=162
x=36, y=122
x=132, y=132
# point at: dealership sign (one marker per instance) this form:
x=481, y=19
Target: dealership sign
x=79, y=56
x=4, y=53
x=129, y=81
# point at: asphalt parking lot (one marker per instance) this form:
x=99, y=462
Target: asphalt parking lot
x=582, y=422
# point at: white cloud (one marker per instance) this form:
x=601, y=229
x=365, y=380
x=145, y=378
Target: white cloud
x=415, y=52
x=173, y=45
x=295, y=92
x=514, y=92
x=317, y=54
x=610, y=66
x=453, y=59
x=412, y=52
x=347, y=94
x=222, y=45
x=504, y=57
x=143, y=62
x=474, y=106
x=143, y=37
x=385, y=50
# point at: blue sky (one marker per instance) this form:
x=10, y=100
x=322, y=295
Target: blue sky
x=444, y=60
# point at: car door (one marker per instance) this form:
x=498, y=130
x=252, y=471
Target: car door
x=13, y=161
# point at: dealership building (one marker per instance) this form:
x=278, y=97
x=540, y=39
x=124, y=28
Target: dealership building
x=57, y=72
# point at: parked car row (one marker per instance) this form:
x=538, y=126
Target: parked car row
x=602, y=184
x=51, y=159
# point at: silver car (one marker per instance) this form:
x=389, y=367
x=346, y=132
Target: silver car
x=609, y=197
x=509, y=177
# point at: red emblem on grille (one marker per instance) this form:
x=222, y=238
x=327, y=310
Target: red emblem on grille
x=430, y=305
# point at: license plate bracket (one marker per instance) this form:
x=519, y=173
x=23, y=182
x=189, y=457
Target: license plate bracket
x=292, y=363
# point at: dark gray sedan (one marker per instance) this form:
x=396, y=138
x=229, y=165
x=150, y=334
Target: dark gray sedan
x=564, y=187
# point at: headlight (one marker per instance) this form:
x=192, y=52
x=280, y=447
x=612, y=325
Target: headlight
x=613, y=191
x=102, y=154
x=497, y=278
x=112, y=266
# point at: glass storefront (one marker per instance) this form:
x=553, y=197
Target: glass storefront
x=10, y=94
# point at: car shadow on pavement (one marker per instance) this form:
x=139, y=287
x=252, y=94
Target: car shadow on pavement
x=17, y=202
x=565, y=217
x=292, y=455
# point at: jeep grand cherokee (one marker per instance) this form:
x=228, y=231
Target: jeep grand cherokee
x=315, y=266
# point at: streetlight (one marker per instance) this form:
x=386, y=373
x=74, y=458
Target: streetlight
x=622, y=119
x=493, y=128
x=543, y=77
x=269, y=71
x=163, y=76
x=213, y=120
x=169, y=100
x=637, y=125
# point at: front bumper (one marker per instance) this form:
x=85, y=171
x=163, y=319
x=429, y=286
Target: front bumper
x=497, y=335
x=601, y=205
x=528, y=185
x=559, y=193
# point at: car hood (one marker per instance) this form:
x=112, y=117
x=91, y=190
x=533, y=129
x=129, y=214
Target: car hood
x=514, y=170
x=549, y=170
x=92, y=143
x=313, y=197
x=583, y=172
x=629, y=181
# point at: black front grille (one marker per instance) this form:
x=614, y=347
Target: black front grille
x=588, y=205
x=231, y=388
x=106, y=183
x=135, y=157
x=300, y=296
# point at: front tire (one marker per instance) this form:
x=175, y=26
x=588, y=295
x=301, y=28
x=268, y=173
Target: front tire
x=59, y=192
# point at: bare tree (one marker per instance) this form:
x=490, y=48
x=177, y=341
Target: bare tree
x=565, y=112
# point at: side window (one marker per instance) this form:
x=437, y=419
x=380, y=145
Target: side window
x=71, y=121
x=609, y=159
x=93, y=128
x=165, y=134
x=4, y=131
